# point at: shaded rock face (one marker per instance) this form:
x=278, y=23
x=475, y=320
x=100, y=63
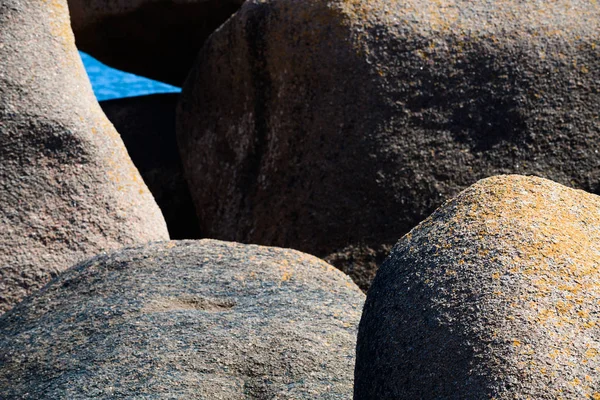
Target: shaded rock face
x=147, y=126
x=201, y=320
x=158, y=39
x=495, y=295
x=68, y=187
x=334, y=127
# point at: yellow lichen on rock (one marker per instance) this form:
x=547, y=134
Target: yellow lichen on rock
x=518, y=286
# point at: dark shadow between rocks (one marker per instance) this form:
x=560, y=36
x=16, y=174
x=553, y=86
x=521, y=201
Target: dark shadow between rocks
x=159, y=40
x=147, y=126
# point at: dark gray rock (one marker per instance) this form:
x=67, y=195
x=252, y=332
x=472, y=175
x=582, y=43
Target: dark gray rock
x=495, y=295
x=155, y=38
x=334, y=127
x=68, y=189
x=147, y=126
x=191, y=320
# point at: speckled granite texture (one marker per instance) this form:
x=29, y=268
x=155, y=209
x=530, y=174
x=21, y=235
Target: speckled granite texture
x=495, y=295
x=335, y=126
x=190, y=320
x=68, y=189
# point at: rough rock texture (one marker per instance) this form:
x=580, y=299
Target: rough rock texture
x=147, y=126
x=68, y=189
x=334, y=127
x=155, y=38
x=495, y=295
x=191, y=320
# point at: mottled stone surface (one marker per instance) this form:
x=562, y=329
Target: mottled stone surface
x=147, y=126
x=495, y=295
x=158, y=39
x=191, y=320
x=334, y=127
x=68, y=189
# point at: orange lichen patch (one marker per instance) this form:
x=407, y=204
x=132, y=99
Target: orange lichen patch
x=474, y=18
x=591, y=352
x=60, y=25
x=286, y=276
x=552, y=232
x=542, y=251
x=286, y=270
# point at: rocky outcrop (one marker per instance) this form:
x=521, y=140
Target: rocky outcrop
x=334, y=127
x=69, y=189
x=495, y=295
x=193, y=320
x=147, y=126
x=158, y=39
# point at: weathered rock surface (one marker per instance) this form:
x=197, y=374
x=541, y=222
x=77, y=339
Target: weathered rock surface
x=147, y=126
x=334, y=127
x=495, y=295
x=68, y=188
x=190, y=319
x=155, y=38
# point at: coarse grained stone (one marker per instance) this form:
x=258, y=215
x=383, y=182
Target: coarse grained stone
x=147, y=126
x=335, y=126
x=158, y=39
x=495, y=295
x=190, y=319
x=68, y=189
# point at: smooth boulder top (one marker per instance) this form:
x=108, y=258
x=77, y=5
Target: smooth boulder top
x=334, y=127
x=68, y=187
x=158, y=39
x=495, y=295
x=147, y=126
x=190, y=319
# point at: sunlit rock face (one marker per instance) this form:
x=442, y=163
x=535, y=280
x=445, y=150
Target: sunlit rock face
x=495, y=295
x=334, y=127
x=191, y=319
x=69, y=189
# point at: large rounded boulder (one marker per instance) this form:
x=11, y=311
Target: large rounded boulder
x=158, y=39
x=193, y=320
x=334, y=127
x=68, y=187
x=495, y=295
x=147, y=126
